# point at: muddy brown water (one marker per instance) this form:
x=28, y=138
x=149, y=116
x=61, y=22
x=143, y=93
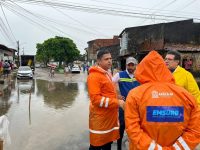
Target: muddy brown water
x=46, y=115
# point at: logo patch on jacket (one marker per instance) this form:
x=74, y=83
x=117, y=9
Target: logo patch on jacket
x=156, y=94
x=165, y=113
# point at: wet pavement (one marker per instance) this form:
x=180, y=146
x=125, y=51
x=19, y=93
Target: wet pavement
x=47, y=113
x=57, y=118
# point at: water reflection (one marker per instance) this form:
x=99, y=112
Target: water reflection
x=26, y=86
x=56, y=94
x=4, y=107
x=6, y=93
x=40, y=117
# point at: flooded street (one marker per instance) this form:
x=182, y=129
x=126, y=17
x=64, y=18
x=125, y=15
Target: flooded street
x=53, y=117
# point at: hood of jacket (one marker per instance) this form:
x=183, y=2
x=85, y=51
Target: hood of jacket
x=153, y=69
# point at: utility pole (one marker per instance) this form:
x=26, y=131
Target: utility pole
x=23, y=50
x=18, y=63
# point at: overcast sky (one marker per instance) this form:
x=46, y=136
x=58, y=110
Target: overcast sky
x=34, y=21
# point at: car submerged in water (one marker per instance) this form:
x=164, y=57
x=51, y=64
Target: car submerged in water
x=24, y=72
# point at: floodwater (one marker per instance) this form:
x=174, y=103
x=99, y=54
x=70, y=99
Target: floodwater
x=50, y=116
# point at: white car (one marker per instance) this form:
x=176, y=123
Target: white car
x=37, y=65
x=75, y=69
x=24, y=72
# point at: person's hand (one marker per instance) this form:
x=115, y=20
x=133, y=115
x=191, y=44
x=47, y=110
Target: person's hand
x=121, y=97
x=121, y=104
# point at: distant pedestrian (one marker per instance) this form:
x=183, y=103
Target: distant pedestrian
x=188, y=64
x=66, y=69
x=52, y=71
x=87, y=68
x=6, y=68
x=84, y=67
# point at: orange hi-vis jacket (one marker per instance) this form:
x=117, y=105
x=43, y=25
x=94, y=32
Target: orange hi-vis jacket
x=159, y=114
x=103, y=117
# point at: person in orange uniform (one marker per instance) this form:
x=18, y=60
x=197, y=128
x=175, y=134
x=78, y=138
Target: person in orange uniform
x=159, y=114
x=104, y=105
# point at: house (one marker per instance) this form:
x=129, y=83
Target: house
x=95, y=45
x=183, y=36
x=7, y=53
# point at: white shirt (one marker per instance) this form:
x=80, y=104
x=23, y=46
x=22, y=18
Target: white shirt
x=116, y=77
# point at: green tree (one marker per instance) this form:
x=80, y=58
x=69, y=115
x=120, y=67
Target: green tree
x=42, y=54
x=60, y=49
x=82, y=57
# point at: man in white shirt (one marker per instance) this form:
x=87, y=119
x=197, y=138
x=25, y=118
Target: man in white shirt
x=126, y=82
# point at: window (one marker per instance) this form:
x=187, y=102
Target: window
x=124, y=41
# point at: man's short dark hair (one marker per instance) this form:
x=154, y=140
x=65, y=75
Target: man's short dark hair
x=177, y=55
x=101, y=53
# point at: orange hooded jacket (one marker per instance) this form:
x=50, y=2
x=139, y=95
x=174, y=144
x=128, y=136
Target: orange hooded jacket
x=159, y=114
x=103, y=117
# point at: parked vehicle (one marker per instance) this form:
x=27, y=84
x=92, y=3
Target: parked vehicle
x=24, y=72
x=28, y=60
x=75, y=69
x=42, y=65
x=37, y=65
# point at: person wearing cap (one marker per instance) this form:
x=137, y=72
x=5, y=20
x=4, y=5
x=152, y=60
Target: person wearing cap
x=126, y=81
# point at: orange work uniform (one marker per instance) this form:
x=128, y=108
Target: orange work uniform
x=103, y=117
x=159, y=114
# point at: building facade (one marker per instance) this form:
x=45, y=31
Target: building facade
x=7, y=53
x=95, y=45
x=183, y=36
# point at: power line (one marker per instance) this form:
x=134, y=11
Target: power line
x=153, y=13
x=5, y=30
x=8, y=23
x=77, y=21
x=186, y=5
x=20, y=11
x=45, y=18
x=109, y=11
x=44, y=21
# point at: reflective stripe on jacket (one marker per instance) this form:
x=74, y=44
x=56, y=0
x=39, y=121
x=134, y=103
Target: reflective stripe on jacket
x=126, y=83
x=103, y=117
x=159, y=114
x=185, y=79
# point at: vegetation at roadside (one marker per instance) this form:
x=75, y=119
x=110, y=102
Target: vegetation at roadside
x=60, y=49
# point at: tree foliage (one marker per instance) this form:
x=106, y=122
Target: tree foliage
x=59, y=49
